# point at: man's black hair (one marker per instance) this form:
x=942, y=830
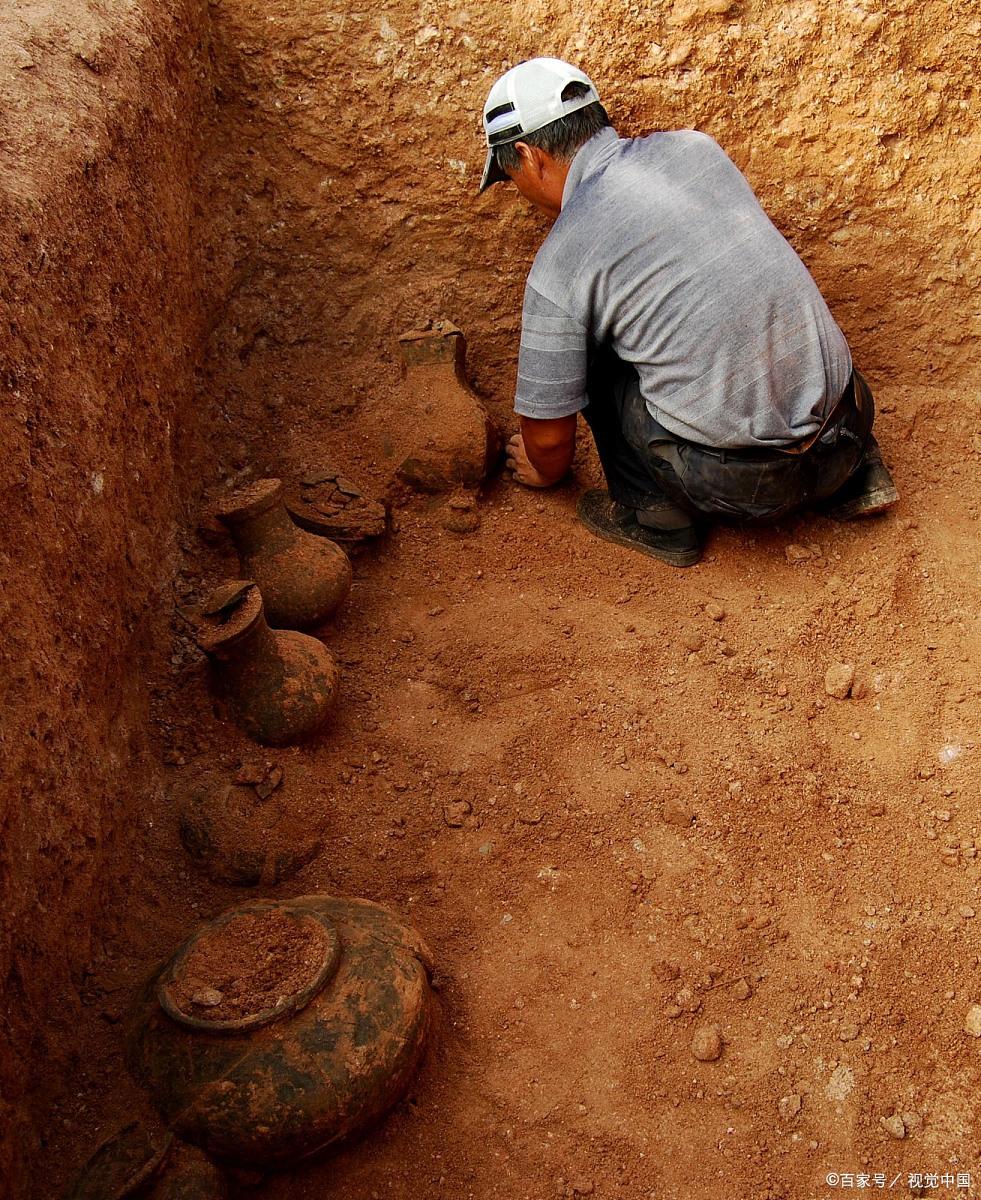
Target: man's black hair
x=561, y=138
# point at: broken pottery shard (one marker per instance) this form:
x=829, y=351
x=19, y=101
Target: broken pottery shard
x=452, y=440
x=327, y=503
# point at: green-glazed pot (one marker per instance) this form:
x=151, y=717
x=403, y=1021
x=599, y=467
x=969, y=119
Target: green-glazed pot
x=277, y=1087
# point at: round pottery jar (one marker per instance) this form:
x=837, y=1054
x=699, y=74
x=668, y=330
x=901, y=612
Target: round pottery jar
x=282, y=1027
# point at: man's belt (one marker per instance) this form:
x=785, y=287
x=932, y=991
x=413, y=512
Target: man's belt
x=855, y=398
x=856, y=395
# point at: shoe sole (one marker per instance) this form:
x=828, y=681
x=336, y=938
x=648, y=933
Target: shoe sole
x=866, y=505
x=674, y=558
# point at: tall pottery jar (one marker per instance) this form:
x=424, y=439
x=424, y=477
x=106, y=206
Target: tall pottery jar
x=446, y=437
x=283, y=1027
x=303, y=578
x=279, y=685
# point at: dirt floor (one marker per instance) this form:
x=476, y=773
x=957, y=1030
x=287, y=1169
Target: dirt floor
x=619, y=802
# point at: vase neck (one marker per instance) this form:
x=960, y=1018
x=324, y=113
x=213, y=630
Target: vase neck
x=269, y=530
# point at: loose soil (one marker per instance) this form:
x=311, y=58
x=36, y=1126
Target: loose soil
x=248, y=965
x=620, y=803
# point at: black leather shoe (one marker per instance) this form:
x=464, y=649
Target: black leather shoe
x=617, y=523
x=870, y=490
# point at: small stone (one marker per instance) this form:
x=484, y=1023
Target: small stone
x=715, y=611
x=741, y=989
x=838, y=680
x=790, y=1106
x=797, y=554
x=706, y=1045
x=674, y=812
x=673, y=1011
x=582, y=1187
x=456, y=812
x=22, y=58
x=687, y=1000
x=848, y=1033
x=267, y=786
x=250, y=773
x=531, y=816
x=966, y=912
x=894, y=1126
x=692, y=641
x=207, y=998
x=972, y=1022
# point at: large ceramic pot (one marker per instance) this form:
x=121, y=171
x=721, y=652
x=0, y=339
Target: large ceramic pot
x=279, y=685
x=303, y=578
x=323, y=1035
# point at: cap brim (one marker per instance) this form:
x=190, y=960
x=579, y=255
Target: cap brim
x=492, y=173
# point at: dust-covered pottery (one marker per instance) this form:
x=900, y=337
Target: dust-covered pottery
x=148, y=1164
x=279, y=685
x=245, y=835
x=303, y=578
x=448, y=439
x=280, y=1028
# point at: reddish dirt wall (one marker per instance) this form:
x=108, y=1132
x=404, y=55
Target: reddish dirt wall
x=100, y=327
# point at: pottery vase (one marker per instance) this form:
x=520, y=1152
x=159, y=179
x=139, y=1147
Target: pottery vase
x=451, y=439
x=279, y=685
x=303, y=578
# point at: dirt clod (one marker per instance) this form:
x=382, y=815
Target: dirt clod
x=972, y=1021
x=706, y=1045
x=894, y=1126
x=838, y=680
x=675, y=812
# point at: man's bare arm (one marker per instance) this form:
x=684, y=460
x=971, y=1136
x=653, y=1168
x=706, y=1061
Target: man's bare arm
x=542, y=452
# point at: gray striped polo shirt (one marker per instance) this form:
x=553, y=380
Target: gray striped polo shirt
x=662, y=251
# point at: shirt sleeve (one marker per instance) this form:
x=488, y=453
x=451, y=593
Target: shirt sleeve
x=551, y=360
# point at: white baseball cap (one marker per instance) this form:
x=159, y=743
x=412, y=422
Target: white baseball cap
x=526, y=98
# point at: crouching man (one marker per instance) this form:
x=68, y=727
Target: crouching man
x=666, y=308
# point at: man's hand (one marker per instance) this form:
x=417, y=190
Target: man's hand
x=542, y=452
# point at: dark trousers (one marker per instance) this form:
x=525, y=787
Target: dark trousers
x=649, y=469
